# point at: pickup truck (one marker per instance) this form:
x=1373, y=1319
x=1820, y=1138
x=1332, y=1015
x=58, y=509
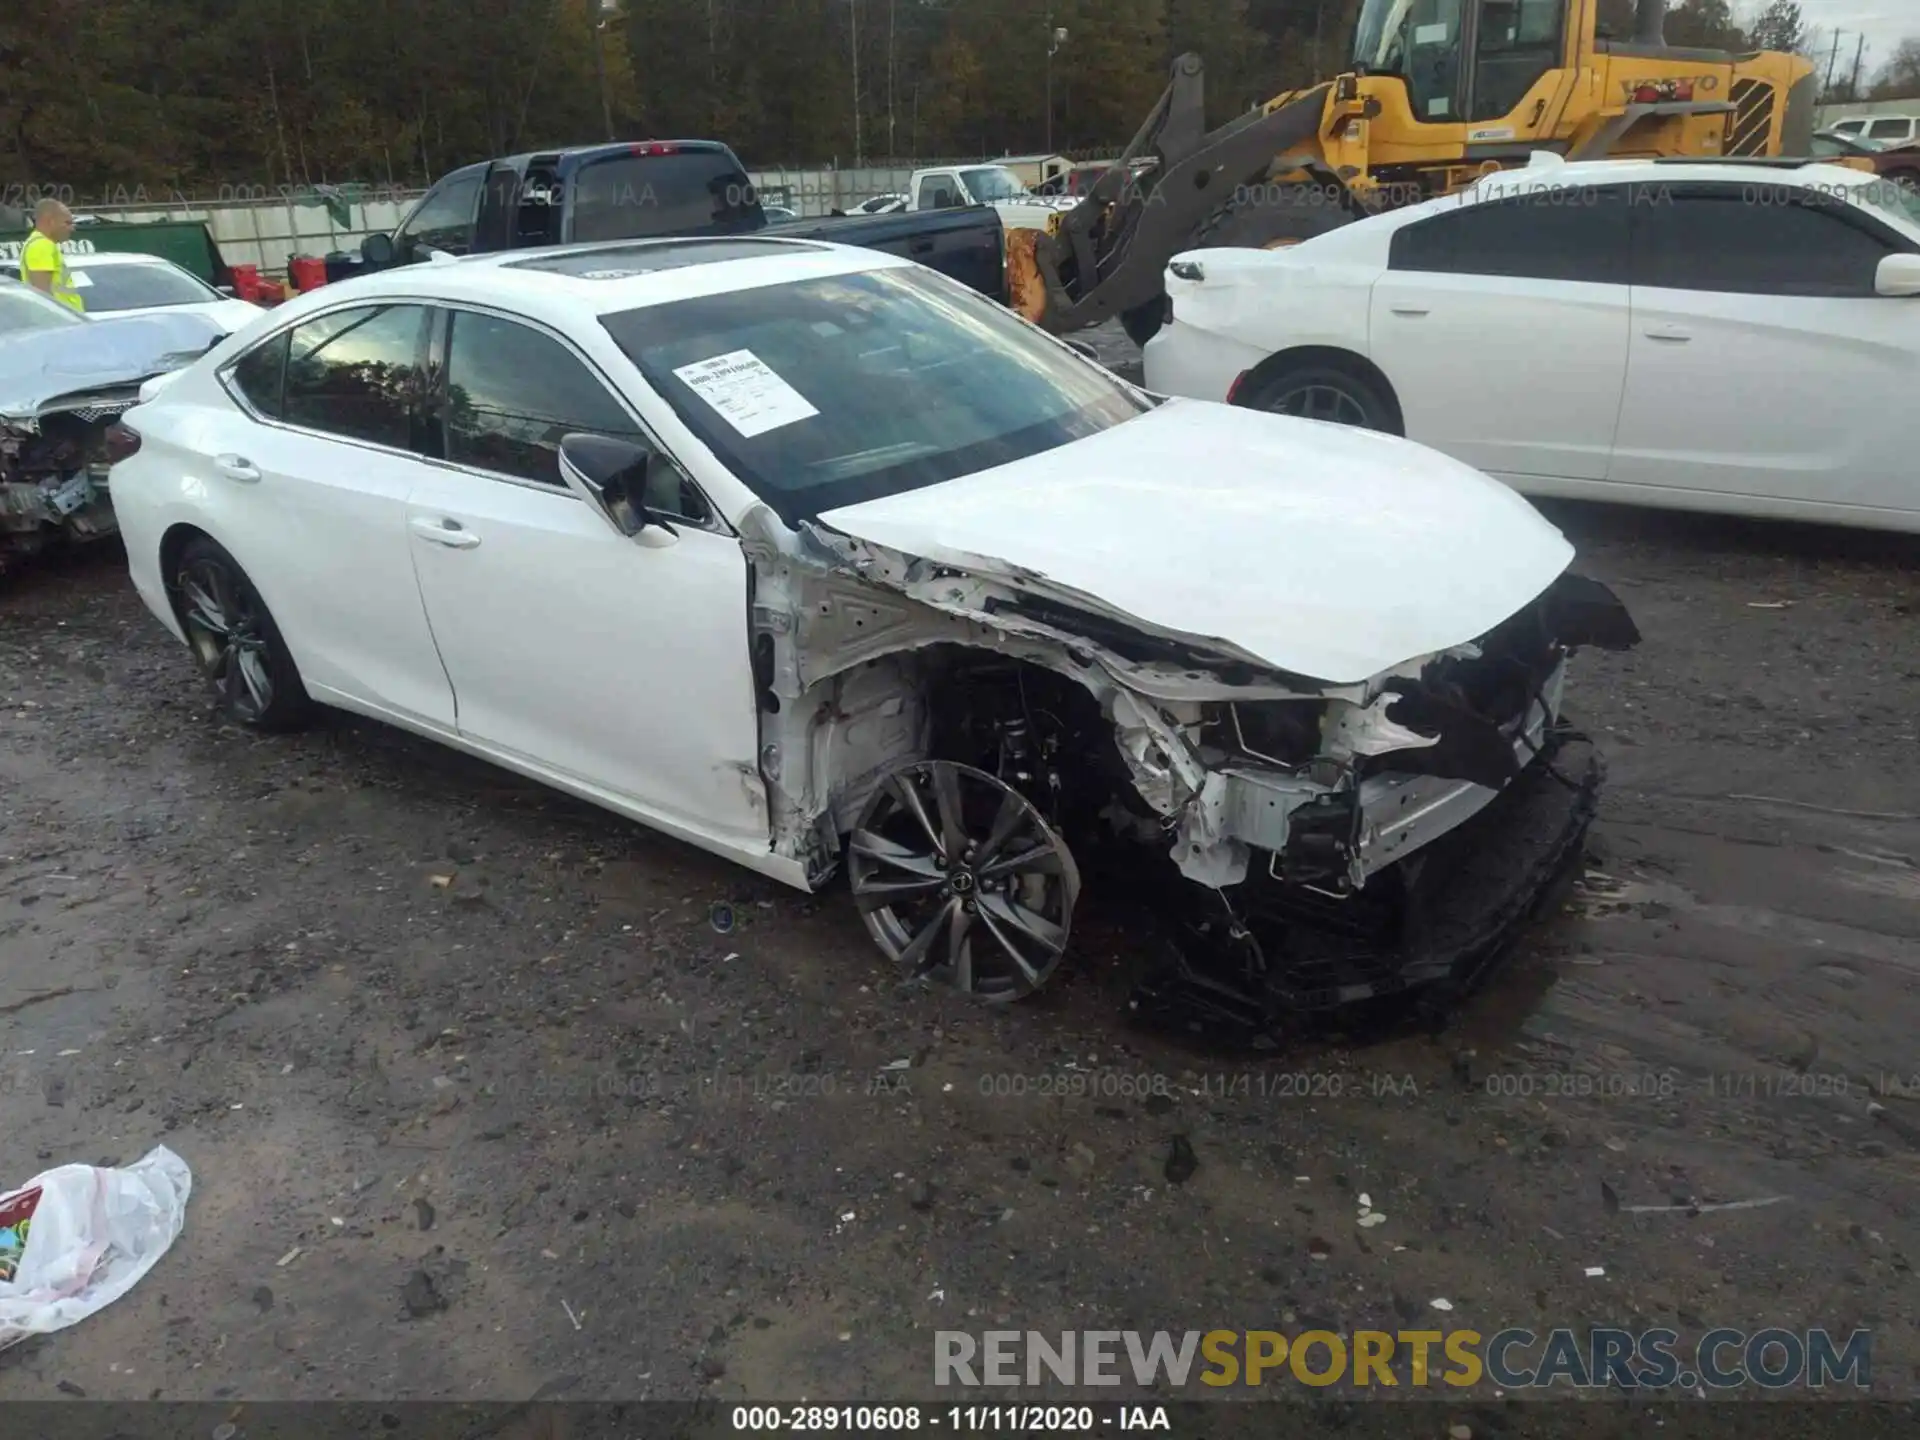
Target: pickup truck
x=994, y=186
x=654, y=189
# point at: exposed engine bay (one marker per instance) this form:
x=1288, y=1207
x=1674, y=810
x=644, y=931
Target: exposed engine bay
x=53, y=479
x=979, y=749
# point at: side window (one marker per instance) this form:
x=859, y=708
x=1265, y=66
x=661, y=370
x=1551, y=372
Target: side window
x=356, y=373
x=1519, y=41
x=1849, y=127
x=260, y=375
x=936, y=193
x=1754, y=240
x=444, y=220
x=1575, y=233
x=1890, y=130
x=514, y=393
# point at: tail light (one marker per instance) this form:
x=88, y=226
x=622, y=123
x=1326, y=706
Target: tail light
x=1233, y=390
x=121, y=442
x=654, y=147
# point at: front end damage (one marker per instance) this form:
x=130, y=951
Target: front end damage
x=53, y=476
x=1303, y=845
x=61, y=393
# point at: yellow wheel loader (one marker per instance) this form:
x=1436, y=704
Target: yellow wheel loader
x=1437, y=93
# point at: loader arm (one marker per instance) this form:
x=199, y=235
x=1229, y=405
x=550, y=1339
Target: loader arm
x=1108, y=254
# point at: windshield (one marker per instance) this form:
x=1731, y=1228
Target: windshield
x=988, y=183
x=23, y=309
x=1889, y=197
x=1418, y=40
x=823, y=393
x=132, y=286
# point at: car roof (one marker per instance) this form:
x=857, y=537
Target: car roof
x=120, y=257
x=583, y=282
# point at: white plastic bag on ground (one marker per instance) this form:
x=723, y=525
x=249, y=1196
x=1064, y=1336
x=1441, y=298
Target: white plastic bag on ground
x=76, y=1238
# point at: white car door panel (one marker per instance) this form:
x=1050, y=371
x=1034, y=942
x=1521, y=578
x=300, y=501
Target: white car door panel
x=1761, y=362
x=1503, y=330
x=621, y=662
x=303, y=498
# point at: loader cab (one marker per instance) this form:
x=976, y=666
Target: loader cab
x=1462, y=61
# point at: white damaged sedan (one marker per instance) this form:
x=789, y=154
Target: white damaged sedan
x=820, y=562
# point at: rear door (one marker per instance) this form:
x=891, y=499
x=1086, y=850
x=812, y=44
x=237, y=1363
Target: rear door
x=1762, y=361
x=1503, y=329
x=317, y=493
x=616, y=661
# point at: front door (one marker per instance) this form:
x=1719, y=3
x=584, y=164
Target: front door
x=1502, y=327
x=1762, y=361
x=619, y=664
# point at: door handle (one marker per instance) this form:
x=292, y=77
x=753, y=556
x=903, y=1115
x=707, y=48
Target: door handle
x=1669, y=334
x=1411, y=311
x=237, y=467
x=449, y=533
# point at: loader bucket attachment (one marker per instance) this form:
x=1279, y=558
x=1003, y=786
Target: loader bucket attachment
x=1026, y=290
x=1109, y=253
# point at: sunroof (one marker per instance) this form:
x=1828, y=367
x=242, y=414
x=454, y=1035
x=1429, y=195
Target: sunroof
x=617, y=262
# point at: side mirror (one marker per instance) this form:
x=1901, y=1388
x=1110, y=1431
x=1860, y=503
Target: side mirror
x=1898, y=275
x=614, y=473
x=377, y=251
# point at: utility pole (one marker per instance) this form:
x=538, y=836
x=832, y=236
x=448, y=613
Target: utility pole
x=853, y=9
x=609, y=12
x=1834, y=54
x=1859, y=54
x=892, y=150
x=1056, y=37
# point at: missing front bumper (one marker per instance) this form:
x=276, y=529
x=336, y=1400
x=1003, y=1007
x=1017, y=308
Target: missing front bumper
x=1440, y=917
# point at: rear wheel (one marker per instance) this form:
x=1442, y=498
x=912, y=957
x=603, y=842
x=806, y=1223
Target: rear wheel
x=233, y=637
x=1258, y=217
x=1326, y=392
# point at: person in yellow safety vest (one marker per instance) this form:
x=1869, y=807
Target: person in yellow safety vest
x=41, y=263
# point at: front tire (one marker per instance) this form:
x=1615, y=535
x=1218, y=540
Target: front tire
x=235, y=641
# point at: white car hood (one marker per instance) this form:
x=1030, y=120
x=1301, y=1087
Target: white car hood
x=1332, y=553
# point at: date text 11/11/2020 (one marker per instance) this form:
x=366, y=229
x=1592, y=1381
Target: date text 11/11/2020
x=960, y=1419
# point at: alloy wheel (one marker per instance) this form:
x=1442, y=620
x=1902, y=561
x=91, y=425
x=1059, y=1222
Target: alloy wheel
x=1320, y=401
x=960, y=879
x=225, y=624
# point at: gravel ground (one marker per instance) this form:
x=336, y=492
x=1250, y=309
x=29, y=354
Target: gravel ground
x=479, y=1100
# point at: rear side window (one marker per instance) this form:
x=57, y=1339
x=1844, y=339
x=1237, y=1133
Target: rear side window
x=1752, y=240
x=356, y=373
x=692, y=192
x=1575, y=233
x=1890, y=130
x=260, y=376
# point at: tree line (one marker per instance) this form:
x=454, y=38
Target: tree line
x=196, y=95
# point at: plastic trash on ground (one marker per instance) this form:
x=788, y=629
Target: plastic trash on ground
x=76, y=1238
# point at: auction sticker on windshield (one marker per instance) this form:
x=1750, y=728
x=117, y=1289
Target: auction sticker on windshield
x=748, y=395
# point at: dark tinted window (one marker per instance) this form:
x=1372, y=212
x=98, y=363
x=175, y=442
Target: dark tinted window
x=693, y=192
x=444, y=220
x=936, y=193
x=1519, y=41
x=355, y=373
x=1756, y=239
x=1570, y=233
x=260, y=373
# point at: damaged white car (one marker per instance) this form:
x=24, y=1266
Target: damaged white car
x=63, y=380
x=819, y=561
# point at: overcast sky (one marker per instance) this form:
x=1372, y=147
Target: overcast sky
x=1885, y=23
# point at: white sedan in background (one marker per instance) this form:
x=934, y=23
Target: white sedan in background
x=810, y=556
x=121, y=283
x=1707, y=336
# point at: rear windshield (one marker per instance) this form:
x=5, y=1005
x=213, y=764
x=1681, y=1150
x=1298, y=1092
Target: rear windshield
x=135, y=286
x=692, y=192
x=827, y=392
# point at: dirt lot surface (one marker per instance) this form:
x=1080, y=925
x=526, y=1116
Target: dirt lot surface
x=482, y=1100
